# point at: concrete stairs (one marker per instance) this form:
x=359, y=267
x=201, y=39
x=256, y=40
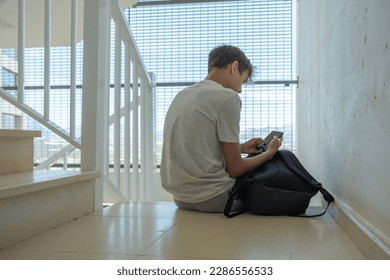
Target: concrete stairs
x=32, y=201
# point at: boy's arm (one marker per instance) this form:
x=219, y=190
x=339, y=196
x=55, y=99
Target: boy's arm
x=237, y=166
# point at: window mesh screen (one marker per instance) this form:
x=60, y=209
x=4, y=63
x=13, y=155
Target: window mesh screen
x=175, y=38
x=47, y=145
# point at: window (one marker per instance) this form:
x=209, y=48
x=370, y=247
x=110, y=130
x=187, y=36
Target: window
x=9, y=121
x=11, y=53
x=175, y=37
x=8, y=78
x=9, y=118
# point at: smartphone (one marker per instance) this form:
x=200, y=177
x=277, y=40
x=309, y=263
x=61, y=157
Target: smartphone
x=263, y=146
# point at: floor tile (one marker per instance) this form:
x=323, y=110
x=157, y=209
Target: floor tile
x=166, y=210
x=94, y=234
x=320, y=241
x=223, y=239
x=20, y=254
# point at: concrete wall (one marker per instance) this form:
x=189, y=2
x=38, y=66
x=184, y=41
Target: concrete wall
x=343, y=105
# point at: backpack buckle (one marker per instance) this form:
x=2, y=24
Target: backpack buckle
x=317, y=184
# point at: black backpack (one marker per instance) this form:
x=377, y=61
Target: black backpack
x=281, y=186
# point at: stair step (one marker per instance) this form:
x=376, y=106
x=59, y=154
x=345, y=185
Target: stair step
x=17, y=150
x=35, y=201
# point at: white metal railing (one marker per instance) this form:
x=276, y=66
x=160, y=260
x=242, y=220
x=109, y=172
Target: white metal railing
x=129, y=172
x=137, y=95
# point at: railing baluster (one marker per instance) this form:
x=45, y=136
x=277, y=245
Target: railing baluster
x=126, y=140
x=21, y=48
x=107, y=119
x=73, y=42
x=143, y=142
x=117, y=103
x=135, y=133
x=65, y=167
x=46, y=109
x=150, y=137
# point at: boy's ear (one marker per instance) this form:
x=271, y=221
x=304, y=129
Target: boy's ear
x=234, y=66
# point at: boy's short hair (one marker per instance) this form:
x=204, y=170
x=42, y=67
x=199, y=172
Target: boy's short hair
x=222, y=56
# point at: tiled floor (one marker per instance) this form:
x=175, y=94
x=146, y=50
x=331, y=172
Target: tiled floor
x=161, y=231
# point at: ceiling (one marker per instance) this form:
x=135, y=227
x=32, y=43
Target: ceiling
x=34, y=20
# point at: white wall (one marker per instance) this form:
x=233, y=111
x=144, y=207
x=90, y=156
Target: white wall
x=343, y=103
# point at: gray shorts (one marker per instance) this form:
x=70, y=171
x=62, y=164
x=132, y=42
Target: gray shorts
x=214, y=205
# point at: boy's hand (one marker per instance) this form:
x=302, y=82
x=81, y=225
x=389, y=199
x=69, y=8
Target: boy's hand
x=274, y=145
x=249, y=147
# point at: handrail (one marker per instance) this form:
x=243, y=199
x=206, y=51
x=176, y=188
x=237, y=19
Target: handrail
x=125, y=178
x=135, y=84
x=39, y=118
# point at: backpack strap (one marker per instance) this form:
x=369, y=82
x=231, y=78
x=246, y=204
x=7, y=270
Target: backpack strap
x=228, y=207
x=236, y=193
x=294, y=164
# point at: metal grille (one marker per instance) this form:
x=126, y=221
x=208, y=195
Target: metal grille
x=175, y=38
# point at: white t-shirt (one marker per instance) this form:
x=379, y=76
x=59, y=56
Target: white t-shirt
x=199, y=119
